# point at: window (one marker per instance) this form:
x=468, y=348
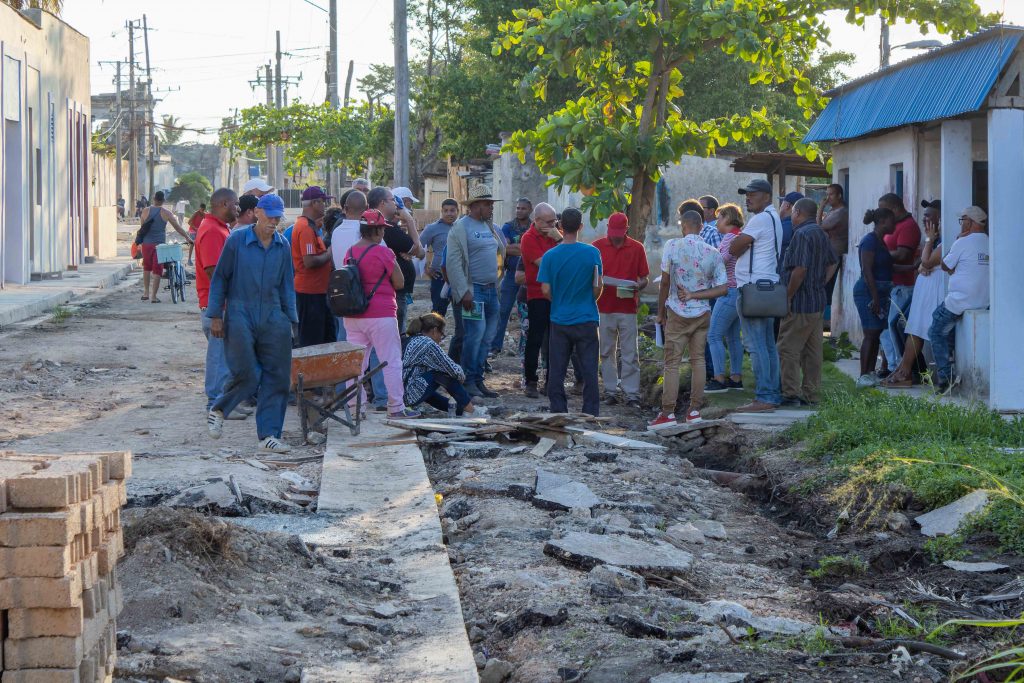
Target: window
x=896, y=179
x=979, y=190
x=844, y=180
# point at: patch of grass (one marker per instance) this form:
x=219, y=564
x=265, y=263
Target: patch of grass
x=942, y=548
x=884, y=445
x=839, y=566
x=60, y=314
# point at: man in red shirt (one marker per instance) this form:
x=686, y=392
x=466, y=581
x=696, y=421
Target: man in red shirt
x=313, y=265
x=903, y=243
x=624, y=259
x=209, y=242
x=193, y=229
x=542, y=236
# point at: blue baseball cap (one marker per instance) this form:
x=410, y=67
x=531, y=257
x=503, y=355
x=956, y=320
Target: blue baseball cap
x=792, y=198
x=271, y=205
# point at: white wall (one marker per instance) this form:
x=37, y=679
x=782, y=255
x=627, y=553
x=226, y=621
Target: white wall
x=868, y=161
x=46, y=70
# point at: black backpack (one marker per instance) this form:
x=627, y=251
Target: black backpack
x=345, y=294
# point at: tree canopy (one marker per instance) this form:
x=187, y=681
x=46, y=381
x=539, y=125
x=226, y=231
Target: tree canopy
x=629, y=61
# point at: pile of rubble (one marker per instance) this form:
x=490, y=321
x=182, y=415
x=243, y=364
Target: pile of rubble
x=60, y=540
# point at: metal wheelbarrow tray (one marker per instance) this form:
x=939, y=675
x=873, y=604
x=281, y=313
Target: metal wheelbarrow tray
x=327, y=365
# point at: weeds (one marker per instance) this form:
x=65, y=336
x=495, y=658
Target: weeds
x=60, y=314
x=838, y=566
x=942, y=548
x=1008, y=664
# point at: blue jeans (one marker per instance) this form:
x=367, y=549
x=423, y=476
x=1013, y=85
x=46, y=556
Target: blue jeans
x=759, y=340
x=437, y=380
x=380, y=390
x=216, y=364
x=455, y=346
x=438, y=303
x=479, y=333
x=507, y=298
x=899, y=310
x=259, y=356
x=725, y=332
x=709, y=357
x=941, y=335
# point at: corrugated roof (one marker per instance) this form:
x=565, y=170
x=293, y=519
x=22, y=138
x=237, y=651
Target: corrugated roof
x=946, y=82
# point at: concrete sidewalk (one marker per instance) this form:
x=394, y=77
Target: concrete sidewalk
x=21, y=302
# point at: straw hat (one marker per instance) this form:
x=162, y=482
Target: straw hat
x=479, y=193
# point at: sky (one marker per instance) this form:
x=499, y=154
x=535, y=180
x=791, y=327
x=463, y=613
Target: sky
x=205, y=53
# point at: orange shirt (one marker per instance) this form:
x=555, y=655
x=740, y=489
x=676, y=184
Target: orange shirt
x=213, y=233
x=305, y=240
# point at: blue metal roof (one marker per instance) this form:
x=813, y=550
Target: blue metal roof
x=946, y=82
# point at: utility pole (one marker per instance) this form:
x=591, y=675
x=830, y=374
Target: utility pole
x=118, y=190
x=884, y=48
x=332, y=56
x=271, y=165
x=278, y=156
x=149, y=107
x=231, y=153
x=401, y=157
x=133, y=153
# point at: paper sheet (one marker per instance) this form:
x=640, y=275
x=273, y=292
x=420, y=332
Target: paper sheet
x=659, y=337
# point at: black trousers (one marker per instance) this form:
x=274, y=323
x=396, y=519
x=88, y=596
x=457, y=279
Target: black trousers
x=316, y=322
x=576, y=342
x=539, y=315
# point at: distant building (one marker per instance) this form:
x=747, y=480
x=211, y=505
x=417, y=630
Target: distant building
x=45, y=143
x=949, y=125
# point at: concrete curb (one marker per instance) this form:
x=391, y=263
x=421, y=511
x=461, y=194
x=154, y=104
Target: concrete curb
x=23, y=303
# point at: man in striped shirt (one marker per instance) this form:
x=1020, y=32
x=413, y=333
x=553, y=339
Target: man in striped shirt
x=311, y=260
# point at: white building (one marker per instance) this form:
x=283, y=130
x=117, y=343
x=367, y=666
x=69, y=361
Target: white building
x=949, y=125
x=45, y=138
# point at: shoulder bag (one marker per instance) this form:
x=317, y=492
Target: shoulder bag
x=764, y=298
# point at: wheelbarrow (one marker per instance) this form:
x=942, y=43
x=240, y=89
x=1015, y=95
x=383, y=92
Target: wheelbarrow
x=328, y=365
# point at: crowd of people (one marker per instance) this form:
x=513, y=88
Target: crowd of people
x=756, y=280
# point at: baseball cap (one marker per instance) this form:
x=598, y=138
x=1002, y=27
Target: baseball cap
x=313, y=192
x=405, y=193
x=247, y=202
x=757, y=185
x=256, y=184
x=618, y=224
x=933, y=204
x=976, y=214
x=373, y=217
x=271, y=205
x=792, y=197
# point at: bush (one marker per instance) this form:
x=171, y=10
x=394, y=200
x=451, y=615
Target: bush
x=192, y=187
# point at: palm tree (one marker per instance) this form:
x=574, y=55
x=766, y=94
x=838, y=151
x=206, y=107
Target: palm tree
x=171, y=130
x=52, y=6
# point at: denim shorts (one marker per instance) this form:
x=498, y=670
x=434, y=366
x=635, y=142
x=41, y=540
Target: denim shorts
x=862, y=298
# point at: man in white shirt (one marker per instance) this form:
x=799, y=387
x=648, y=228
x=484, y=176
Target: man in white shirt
x=344, y=235
x=180, y=207
x=967, y=265
x=757, y=258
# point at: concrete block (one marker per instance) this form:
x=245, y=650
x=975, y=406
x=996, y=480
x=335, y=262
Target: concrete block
x=42, y=676
x=33, y=623
x=58, y=485
x=51, y=561
x=21, y=529
x=110, y=552
x=30, y=592
x=56, y=651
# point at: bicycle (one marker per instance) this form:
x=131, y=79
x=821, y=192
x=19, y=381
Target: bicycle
x=170, y=256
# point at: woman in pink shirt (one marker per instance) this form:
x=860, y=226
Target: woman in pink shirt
x=377, y=326
x=725, y=323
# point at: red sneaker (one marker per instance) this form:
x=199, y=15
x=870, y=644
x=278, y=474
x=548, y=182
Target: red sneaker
x=663, y=421
x=693, y=416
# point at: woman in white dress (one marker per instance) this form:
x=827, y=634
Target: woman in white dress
x=929, y=292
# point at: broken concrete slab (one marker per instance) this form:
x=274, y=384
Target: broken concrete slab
x=945, y=521
x=534, y=615
x=684, y=533
x=635, y=627
x=589, y=550
x=976, y=567
x=702, y=677
x=682, y=429
x=618, y=578
x=546, y=481
x=559, y=492
x=216, y=493
x=735, y=614
x=588, y=436
x=711, y=529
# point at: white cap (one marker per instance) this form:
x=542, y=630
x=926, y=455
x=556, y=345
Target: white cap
x=405, y=193
x=256, y=184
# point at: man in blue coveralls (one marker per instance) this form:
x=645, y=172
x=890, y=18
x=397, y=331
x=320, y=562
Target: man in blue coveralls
x=252, y=307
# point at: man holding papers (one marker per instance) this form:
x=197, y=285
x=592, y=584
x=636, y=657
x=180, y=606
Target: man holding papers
x=625, y=276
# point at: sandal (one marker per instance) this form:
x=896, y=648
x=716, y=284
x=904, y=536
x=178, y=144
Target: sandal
x=145, y=298
x=155, y=301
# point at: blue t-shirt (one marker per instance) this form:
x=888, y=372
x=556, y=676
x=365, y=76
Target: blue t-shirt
x=569, y=270
x=513, y=234
x=882, y=266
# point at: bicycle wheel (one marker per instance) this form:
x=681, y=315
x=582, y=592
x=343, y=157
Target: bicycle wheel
x=182, y=281
x=172, y=282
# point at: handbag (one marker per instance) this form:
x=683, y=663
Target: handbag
x=764, y=298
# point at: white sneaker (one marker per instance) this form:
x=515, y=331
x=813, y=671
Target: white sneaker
x=215, y=423
x=272, y=445
x=867, y=381
x=236, y=414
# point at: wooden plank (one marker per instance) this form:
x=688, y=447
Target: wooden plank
x=431, y=426
x=542, y=447
x=603, y=439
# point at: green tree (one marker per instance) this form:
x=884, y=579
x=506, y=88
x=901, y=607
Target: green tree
x=54, y=6
x=629, y=61
x=192, y=187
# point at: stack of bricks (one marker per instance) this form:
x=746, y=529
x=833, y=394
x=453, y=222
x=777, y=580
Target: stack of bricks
x=60, y=540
